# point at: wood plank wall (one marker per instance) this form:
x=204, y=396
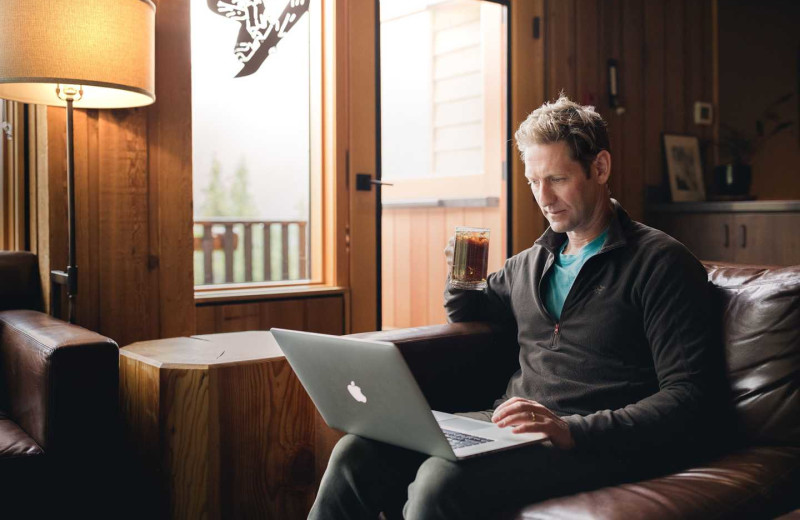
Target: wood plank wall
x=325, y=315
x=133, y=201
x=664, y=50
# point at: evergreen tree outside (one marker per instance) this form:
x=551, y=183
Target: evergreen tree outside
x=234, y=199
x=242, y=204
x=216, y=196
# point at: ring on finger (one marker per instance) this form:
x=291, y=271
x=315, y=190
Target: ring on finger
x=533, y=417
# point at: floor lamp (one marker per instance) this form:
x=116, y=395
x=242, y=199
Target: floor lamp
x=81, y=54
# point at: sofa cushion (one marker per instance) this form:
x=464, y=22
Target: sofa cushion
x=761, y=332
x=14, y=442
x=752, y=483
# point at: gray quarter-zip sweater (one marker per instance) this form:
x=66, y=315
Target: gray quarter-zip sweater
x=628, y=366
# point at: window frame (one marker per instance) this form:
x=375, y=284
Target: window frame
x=323, y=277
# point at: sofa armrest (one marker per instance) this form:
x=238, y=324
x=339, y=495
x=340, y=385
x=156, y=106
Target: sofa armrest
x=58, y=381
x=459, y=366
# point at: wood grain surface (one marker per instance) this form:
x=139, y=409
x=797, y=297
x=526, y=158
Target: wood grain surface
x=314, y=314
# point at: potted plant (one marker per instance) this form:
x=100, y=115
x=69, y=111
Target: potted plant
x=733, y=179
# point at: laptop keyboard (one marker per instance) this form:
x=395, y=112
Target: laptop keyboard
x=462, y=440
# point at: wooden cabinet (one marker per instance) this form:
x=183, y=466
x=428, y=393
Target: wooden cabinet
x=753, y=232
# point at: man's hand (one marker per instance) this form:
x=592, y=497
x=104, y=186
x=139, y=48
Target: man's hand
x=528, y=416
x=448, y=252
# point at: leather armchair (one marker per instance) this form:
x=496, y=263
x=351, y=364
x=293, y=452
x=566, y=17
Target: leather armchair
x=58, y=390
x=465, y=366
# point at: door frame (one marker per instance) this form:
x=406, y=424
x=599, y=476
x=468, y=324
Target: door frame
x=379, y=162
x=525, y=90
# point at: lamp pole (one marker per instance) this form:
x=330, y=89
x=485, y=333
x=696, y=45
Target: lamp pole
x=70, y=277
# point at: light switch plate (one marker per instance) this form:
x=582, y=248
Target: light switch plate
x=703, y=113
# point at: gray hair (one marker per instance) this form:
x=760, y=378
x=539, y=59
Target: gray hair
x=580, y=127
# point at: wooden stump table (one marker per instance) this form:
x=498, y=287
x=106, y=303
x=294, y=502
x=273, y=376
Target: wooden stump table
x=219, y=426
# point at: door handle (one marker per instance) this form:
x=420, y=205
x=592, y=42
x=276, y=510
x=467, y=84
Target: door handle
x=364, y=182
x=743, y=229
x=726, y=240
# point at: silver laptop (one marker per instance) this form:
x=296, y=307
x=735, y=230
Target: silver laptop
x=366, y=388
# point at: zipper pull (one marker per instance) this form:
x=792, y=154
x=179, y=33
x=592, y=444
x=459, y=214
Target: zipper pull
x=555, y=335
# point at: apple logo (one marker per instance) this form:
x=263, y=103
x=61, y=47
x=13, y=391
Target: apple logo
x=355, y=391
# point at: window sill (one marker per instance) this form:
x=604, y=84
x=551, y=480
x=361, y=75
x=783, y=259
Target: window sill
x=256, y=294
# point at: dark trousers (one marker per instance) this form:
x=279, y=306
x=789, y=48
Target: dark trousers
x=366, y=477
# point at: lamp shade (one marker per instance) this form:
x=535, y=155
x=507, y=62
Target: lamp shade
x=106, y=47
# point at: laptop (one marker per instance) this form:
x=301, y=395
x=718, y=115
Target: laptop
x=365, y=388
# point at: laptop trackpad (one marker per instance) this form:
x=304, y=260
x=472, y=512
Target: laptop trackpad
x=463, y=425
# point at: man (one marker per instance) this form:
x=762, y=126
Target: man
x=613, y=323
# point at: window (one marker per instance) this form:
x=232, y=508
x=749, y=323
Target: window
x=256, y=130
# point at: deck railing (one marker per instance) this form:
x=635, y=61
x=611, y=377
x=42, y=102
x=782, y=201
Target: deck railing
x=235, y=249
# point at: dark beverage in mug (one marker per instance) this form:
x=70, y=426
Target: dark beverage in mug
x=470, y=258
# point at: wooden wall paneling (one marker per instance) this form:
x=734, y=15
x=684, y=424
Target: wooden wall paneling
x=611, y=47
x=653, y=93
x=527, y=93
x=674, y=67
x=33, y=181
x=362, y=146
x=419, y=239
x=712, y=53
x=170, y=248
x=128, y=311
x=240, y=316
x=388, y=282
x=94, y=254
x=86, y=215
x=284, y=314
x=632, y=194
x=588, y=63
x=206, y=319
x=698, y=72
x=325, y=315
x=437, y=265
x=13, y=222
x=561, y=49
x=403, y=278
x=56, y=233
x=41, y=197
x=134, y=244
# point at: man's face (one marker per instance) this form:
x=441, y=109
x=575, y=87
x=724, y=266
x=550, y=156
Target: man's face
x=566, y=197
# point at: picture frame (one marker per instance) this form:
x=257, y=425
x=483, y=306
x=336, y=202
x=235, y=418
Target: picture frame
x=684, y=167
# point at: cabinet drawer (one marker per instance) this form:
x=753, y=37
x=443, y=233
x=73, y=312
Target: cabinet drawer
x=708, y=236
x=767, y=238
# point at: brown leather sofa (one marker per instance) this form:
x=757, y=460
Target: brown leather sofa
x=465, y=366
x=58, y=399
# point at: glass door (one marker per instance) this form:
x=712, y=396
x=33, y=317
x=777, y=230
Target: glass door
x=444, y=145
